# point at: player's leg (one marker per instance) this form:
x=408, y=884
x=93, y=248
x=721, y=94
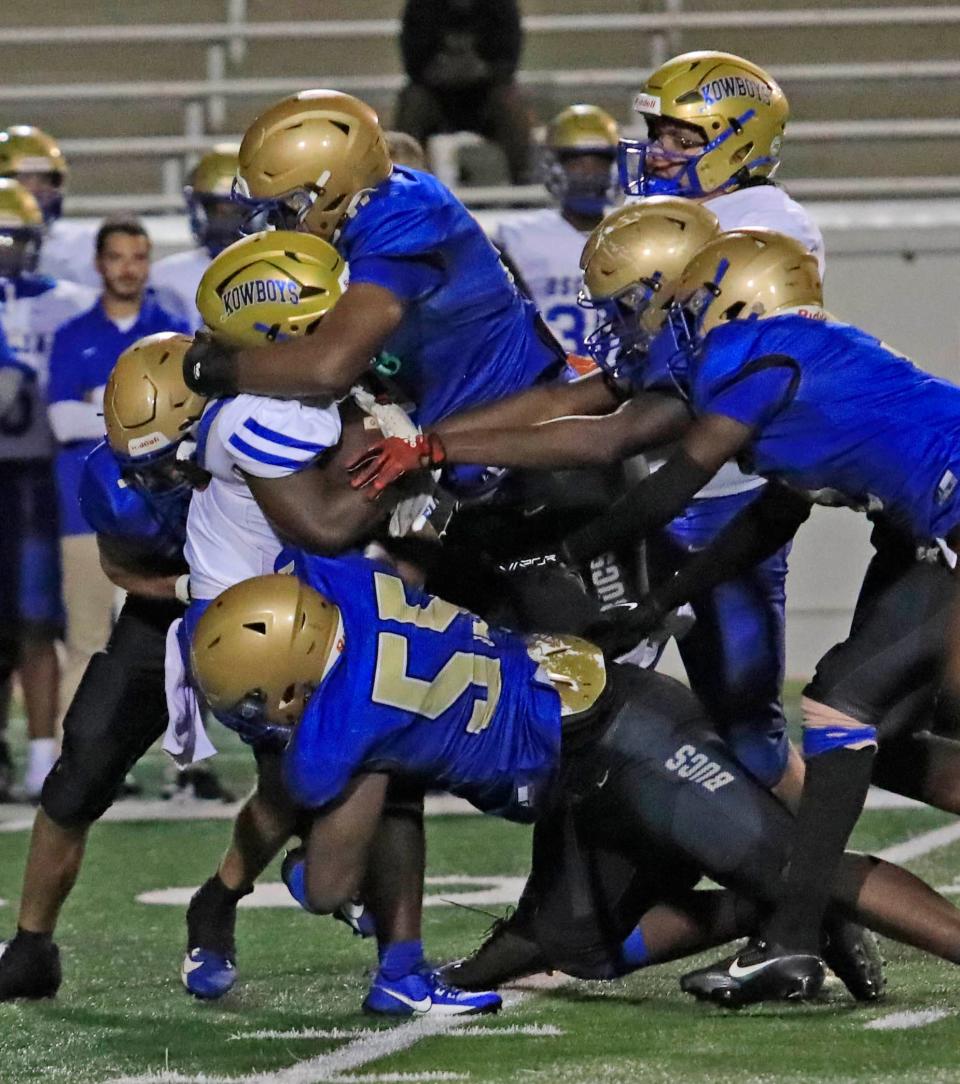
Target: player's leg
x=672, y=782
x=40, y=609
x=118, y=711
x=9, y=657
x=894, y=648
x=734, y=655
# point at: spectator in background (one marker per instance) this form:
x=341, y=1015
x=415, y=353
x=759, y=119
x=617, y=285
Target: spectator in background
x=461, y=57
x=84, y=352
x=216, y=222
x=32, y=157
x=32, y=307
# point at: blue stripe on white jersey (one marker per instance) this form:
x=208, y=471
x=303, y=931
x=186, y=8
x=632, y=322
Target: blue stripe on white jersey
x=261, y=455
x=259, y=430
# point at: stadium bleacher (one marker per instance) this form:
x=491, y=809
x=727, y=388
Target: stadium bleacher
x=872, y=85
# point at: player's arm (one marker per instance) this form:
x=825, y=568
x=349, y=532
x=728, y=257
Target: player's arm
x=339, y=842
x=736, y=397
x=588, y=395
x=315, y=509
x=137, y=572
x=648, y=420
x=324, y=364
x=759, y=531
x=653, y=503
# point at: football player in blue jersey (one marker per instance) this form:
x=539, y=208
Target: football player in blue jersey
x=119, y=709
x=750, y=365
x=427, y=291
x=537, y=729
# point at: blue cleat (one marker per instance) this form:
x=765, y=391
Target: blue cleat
x=207, y=975
x=422, y=993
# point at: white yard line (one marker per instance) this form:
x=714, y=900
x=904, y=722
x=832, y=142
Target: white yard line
x=922, y=844
x=901, y=1021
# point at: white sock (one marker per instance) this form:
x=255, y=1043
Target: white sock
x=41, y=756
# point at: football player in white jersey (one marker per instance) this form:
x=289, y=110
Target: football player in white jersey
x=263, y=493
x=32, y=307
x=715, y=127
x=32, y=157
x=542, y=248
x=215, y=221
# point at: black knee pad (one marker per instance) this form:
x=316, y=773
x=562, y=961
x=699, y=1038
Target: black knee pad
x=117, y=713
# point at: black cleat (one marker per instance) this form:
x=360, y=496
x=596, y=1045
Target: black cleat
x=508, y=952
x=28, y=969
x=759, y=972
x=197, y=784
x=852, y=952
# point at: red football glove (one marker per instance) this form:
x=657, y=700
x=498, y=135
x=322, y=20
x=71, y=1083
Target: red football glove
x=389, y=459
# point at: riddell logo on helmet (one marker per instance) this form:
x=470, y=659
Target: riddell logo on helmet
x=735, y=86
x=647, y=103
x=256, y=292
x=143, y=445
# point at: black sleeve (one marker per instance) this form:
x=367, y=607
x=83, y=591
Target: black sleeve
x=751, y=537
x=650, y=504
x=756, y=534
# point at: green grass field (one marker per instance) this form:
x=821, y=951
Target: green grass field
x=294, y=1017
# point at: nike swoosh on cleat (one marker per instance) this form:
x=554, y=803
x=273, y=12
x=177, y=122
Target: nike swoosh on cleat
x=738, y=972
x=421, y=1004
x=190, y=965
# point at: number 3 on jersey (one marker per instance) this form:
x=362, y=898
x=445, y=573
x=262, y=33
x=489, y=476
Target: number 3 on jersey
x=395, y=687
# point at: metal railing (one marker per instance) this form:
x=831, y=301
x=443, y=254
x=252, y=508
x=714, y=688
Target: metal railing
x=204, y=99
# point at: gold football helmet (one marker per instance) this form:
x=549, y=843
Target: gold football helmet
x=631, y=266
x=311, y=157
x=260, y=650
x=575, y=133
x=737, y=107
x=31, y=156
x=574, y=667
x=215, y=219
x=747, y=273
x=21, y=229
x=269, y=287
x=147, y=407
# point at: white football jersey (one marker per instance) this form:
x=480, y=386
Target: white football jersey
x=68, y=251
x=545, y=250
x=175, y=280
x=31, y=310
x=228, y=537
x=770, y=208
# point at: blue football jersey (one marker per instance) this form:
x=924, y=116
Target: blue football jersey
x=835, y=408
x=426, y=689
x=467, y=336
x=153, y=522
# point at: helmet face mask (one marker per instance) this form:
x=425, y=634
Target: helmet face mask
x=314, y=155
x=748, y=274
x=29, y=155
x=578, y=157
x=21, y=229
x=260, y=651
x=631, y=265
x=736, y=105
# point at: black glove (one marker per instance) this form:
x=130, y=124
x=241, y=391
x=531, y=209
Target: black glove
x=622, y=626
x=210, y=367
